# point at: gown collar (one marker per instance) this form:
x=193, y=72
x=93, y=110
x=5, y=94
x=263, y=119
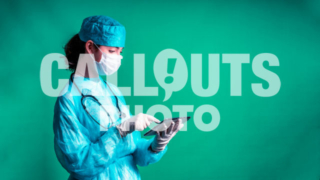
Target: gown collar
x=89, y=86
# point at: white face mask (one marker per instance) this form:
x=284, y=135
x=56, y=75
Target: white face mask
x=109, y=63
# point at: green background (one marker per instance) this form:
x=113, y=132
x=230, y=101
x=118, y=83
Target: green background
x=257, y=138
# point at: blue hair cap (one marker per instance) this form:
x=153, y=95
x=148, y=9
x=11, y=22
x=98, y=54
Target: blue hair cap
x=103, y=30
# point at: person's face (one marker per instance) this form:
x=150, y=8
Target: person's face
x=92, y=49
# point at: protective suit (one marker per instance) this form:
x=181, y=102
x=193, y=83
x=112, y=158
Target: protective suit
x=83, y=149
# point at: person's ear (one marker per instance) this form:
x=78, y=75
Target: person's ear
x=90, y=47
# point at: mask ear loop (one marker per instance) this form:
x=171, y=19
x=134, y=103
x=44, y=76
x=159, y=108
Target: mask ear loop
x=98, y=48
x=103, y=53
x=91, y=53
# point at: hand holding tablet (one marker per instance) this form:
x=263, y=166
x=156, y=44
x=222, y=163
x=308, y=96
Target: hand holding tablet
x=165, y=124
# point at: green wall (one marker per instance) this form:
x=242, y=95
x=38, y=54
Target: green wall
x=274, y=138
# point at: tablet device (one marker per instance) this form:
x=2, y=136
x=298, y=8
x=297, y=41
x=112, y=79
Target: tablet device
x=165, y=122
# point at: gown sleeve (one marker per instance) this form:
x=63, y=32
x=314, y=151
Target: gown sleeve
x=142, y=155
x=75, y=151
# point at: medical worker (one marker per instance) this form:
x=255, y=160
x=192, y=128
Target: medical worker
x=95, y=135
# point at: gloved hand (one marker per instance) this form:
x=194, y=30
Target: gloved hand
x=136, y=123
x=163, y=137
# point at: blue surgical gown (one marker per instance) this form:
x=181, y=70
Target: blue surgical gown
x=88, y=151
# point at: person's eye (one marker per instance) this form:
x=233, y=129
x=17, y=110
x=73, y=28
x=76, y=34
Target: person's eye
x=110, y=51
x=120, y=52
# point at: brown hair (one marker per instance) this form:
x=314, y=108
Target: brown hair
x=73, y=49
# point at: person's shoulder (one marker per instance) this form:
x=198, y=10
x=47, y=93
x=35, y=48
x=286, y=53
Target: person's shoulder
x=65, y=93
x=111, y=85
x=115, y=89
x=65, y=98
